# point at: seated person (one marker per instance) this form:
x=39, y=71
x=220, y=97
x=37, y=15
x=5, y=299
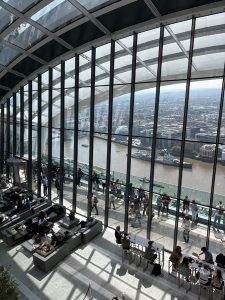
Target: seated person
x=19, y=203
x=185, y=269
x=45, y=246
x=125, y=242
x=42, y=222
x=217, y=280
x=36, y=236
x=57, y=239
x=150, y=254
x=118, y=235
x=208, y=255
x=88, y=223
x=175, y=257
x=204, y=276
x=220, y=260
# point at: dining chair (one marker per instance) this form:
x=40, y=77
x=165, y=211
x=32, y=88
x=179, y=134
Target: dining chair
x=206, y=288
x=217, y=292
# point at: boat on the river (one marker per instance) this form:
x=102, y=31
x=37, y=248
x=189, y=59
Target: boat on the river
x=142, y=154
x=84, y=145
x=167, y=159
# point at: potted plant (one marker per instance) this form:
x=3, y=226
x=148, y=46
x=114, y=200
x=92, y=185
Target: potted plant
x=8, y=286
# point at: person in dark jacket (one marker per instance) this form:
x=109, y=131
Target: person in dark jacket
x=118, y=235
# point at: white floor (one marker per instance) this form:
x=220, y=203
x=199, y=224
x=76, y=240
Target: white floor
x=97, y=264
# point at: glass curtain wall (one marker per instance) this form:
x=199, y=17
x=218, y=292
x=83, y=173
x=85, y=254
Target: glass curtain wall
x=138, y=122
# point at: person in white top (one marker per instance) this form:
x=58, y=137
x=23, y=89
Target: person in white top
x=112, y=200
x=187, y=228
x=204, y=276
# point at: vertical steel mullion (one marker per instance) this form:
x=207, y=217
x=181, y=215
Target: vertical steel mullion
x=130, y=130
x=215, y=158
x=109, y=139
x=21, y=122
x=75, y=140
x=154, y=133
x=39, y=139
x=184, y=130
x=2, y=139
x=30, y=142
x=62, y=127
x=7, y=134
x=50, y=134
x=14, y=125
x=91, y=138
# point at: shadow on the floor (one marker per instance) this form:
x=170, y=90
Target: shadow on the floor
x=39, y=275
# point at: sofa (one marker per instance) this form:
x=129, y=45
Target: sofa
x=89, y=233
x=55, y=212
x=46, y=261
x=23, y=215
x=22, y=230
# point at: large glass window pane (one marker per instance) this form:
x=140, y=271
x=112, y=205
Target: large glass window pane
x=147, y=55
x=95, y=4
x=102, y=72
x=25, y=36
x=22, y=6
x=144, y=102
x=83, y=146
x=7, y=54
x=123, y=59
x=70, y=74
x=6, y=19
x=209, y=53
x=56, y=15
x=68, y=148
x=175, y=50
x=120, y=121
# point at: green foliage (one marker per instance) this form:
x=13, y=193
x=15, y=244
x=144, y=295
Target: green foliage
x=8, y=286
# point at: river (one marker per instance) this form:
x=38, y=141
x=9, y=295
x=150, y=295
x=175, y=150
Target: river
x=198, y=178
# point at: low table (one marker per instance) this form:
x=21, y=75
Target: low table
x=67, y=223
x=30, y=245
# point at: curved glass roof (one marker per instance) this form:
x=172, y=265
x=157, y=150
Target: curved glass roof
x=39, y=33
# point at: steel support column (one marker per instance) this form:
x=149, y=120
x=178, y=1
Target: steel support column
x=49, y=134
x=76, y=136
x=2, y=146
x=91, y=138
x=109, y=139
x=7, y=134
x=14, y=141
x=62, y=128
x=130, y=130
x=30, y=142
x=21, y=122
x=39, y=138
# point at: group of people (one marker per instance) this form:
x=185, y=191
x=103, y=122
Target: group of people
x=40, y=226
x=205, y=273
x=123, y=239
x=56, y=239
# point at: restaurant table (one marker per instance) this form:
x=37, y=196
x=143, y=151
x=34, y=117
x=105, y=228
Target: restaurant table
x=140, y=243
